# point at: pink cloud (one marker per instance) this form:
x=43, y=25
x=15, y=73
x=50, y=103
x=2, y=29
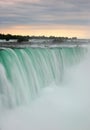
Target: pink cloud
x=10, y=2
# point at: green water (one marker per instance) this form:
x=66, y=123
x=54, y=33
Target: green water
x=25, y=72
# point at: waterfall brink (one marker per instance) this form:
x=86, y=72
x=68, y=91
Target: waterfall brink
x=45, y=88
x=25, y=72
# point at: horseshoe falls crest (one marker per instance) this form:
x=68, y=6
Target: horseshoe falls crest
x=45, y=89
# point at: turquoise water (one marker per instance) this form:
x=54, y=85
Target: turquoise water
x=24, y=72
x=45, y=89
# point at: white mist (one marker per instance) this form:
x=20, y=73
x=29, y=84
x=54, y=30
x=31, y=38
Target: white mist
x=64, y=107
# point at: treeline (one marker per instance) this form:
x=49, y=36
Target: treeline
x=20, y=38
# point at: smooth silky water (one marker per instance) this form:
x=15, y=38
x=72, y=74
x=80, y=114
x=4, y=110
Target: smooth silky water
x=45, y=89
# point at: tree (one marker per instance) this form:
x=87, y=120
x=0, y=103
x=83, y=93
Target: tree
x=23, y=39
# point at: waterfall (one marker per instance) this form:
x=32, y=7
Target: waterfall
x=24, y=72
x=45, y=88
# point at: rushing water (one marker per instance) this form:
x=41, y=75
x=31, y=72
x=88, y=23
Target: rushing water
x=45, y=89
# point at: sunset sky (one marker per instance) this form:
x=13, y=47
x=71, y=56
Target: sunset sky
x=45, y=17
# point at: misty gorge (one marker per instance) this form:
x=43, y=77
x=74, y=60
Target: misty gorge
x=45, y=88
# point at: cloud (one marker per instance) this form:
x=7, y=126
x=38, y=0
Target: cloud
x=44, y=12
